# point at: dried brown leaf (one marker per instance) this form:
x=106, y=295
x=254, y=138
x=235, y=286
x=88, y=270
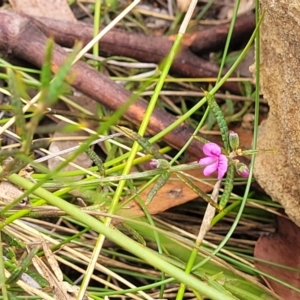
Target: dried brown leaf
x=52, y=261
x=55, y=285
x=173, y=193
x=62, y=290
x=281, y=248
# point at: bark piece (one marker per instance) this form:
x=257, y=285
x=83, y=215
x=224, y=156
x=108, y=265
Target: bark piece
x=214, y=38
x=280, y=248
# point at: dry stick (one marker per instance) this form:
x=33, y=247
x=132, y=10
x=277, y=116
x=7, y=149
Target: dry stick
x=151, y=49
x=105, y=30
x=21, y=38
x=214, y=38
x=202, y=41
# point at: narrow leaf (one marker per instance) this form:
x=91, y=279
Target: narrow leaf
x=218, y=114
x=227, y=187
x=143, y=142
x=160, y=182
x=198, y=191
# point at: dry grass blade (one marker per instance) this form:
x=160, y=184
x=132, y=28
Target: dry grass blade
x=31, y=290
x=80, y=253
x=209, y=214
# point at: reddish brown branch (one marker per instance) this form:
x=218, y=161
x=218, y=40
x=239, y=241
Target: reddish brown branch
x=21, y=38
x=214, y=38
x=150, y=49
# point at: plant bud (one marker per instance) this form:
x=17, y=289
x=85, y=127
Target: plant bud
x=233, y=140
x=159, y=164
x=242, y=170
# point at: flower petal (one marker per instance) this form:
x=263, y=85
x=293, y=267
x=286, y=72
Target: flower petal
x=222, y=166
x=211, y=149
x=210, y=169
x=207, y=160
x=245, y=174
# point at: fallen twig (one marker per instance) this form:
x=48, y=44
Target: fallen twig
x=21, y=38
x=151, y=49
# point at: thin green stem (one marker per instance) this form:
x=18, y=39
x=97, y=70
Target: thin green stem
x=188, y=270
x=2, y=272
x=181, y=151
x=97, y=13
x=205, y=9
x=224, y=212
x=229, y=35
x=155, y=233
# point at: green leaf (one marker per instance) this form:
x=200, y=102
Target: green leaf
x=52, y=89
x=160, y=182
x=221, y=121
x=227, y=187
x=198, y=191
x=18, y=91
x=143, y=142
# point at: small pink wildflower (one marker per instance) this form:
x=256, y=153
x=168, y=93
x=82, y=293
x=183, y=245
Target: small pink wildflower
x=214, y=160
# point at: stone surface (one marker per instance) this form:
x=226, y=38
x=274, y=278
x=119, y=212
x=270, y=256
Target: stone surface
x=279, y=172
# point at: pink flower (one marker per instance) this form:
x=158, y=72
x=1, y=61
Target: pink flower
x=214, y=160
